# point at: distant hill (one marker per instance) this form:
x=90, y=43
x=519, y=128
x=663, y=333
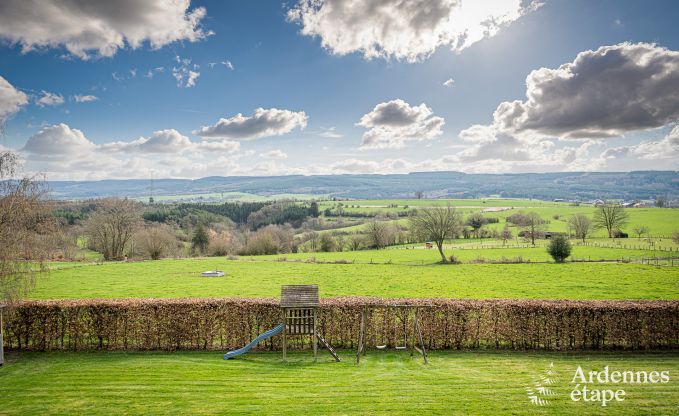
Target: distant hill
x=571, y=185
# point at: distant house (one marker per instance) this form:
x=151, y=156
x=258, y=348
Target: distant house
x=599, y=203
x=559, y=200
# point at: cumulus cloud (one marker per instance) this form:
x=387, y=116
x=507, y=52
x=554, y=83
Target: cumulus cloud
x=262, y=123
x=58, y=140
x=274, y=154
x=449, y=83
x=410, y=30
x=85, y=98
x=50, y=99
x=391, y=124
x=667, y=148
x=11, y=100
x=169, y=141
x=602, y=93
x=99, y=28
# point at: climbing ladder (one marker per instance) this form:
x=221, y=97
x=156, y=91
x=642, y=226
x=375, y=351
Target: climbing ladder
x=328, y=347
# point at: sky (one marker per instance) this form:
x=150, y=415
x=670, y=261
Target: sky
x=189, y=89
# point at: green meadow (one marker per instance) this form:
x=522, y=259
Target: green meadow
x=181, y=278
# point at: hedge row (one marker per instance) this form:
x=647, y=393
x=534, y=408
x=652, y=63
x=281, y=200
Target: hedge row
x=222, y=324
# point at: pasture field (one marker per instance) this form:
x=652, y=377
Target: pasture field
x=181, y=278
x=386, y=382
x=660, y=221
x=416, y=254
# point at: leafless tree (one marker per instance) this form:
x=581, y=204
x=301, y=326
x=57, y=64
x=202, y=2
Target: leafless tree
x=356, y=241
x=611, y=217
x=640, y=230
x=532, y=225
x=25, y=218
x=437, y=225
x=505, y=234
x=419, y=194
x=377, y=234
x=581, y=225
x=110, y=228
x=156, y=241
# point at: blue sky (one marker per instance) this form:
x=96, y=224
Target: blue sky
x=364, y=111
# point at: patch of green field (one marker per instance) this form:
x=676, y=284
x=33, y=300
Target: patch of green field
x=660, y=221
x=386, y=382
x=181, y=278
x=418, y=255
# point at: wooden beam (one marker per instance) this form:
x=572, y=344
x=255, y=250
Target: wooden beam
x=360, y=336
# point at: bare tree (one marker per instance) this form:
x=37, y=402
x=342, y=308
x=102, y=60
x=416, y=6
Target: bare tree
x=640, y=230
x=476, y=221
x=581, y=225
x=378, y=234
x=24, y=218
x=110, y=228
x=355, y=242
x=505, y=234
x=437, y=224
x=419, y=194
x=533, y=225
x=156, y=241
x=610, y=216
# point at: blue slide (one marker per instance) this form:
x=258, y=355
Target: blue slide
x=260, y=338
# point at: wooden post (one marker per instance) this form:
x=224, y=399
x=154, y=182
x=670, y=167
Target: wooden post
x=285, y=335
x=314, y=337
x=360, y=336
x=419, y=334
x=2, y=345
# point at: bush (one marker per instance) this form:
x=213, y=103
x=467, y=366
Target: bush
x=559, y=248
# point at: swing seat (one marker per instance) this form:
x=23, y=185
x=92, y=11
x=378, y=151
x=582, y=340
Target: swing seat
x=401, y=347
x=381, y=347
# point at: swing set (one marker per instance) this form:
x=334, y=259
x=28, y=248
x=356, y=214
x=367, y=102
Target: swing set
x=406, y=314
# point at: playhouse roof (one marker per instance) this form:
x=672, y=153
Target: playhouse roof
x=299, y=296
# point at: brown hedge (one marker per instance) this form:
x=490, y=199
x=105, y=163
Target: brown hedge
x=222, y=324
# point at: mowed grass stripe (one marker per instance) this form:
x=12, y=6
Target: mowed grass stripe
x=385, y=382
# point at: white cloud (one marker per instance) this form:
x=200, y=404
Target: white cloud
x=449, y=83
x=391, y=124
x=58, y=140
x=50, y=99
x=169, y=141
x=226, y=63
x=99, y=28
x=410, y=30
x=85, y=98
x=330, y=133
x=667, y=148
x=11, y=100
x=186, y=73
x=262, y=123
x=602, y=93
x=274, y=154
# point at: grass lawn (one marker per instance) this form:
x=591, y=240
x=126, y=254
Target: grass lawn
x=181, y=278
x=386, y=382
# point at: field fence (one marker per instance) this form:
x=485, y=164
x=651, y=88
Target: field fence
x=228, y=323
